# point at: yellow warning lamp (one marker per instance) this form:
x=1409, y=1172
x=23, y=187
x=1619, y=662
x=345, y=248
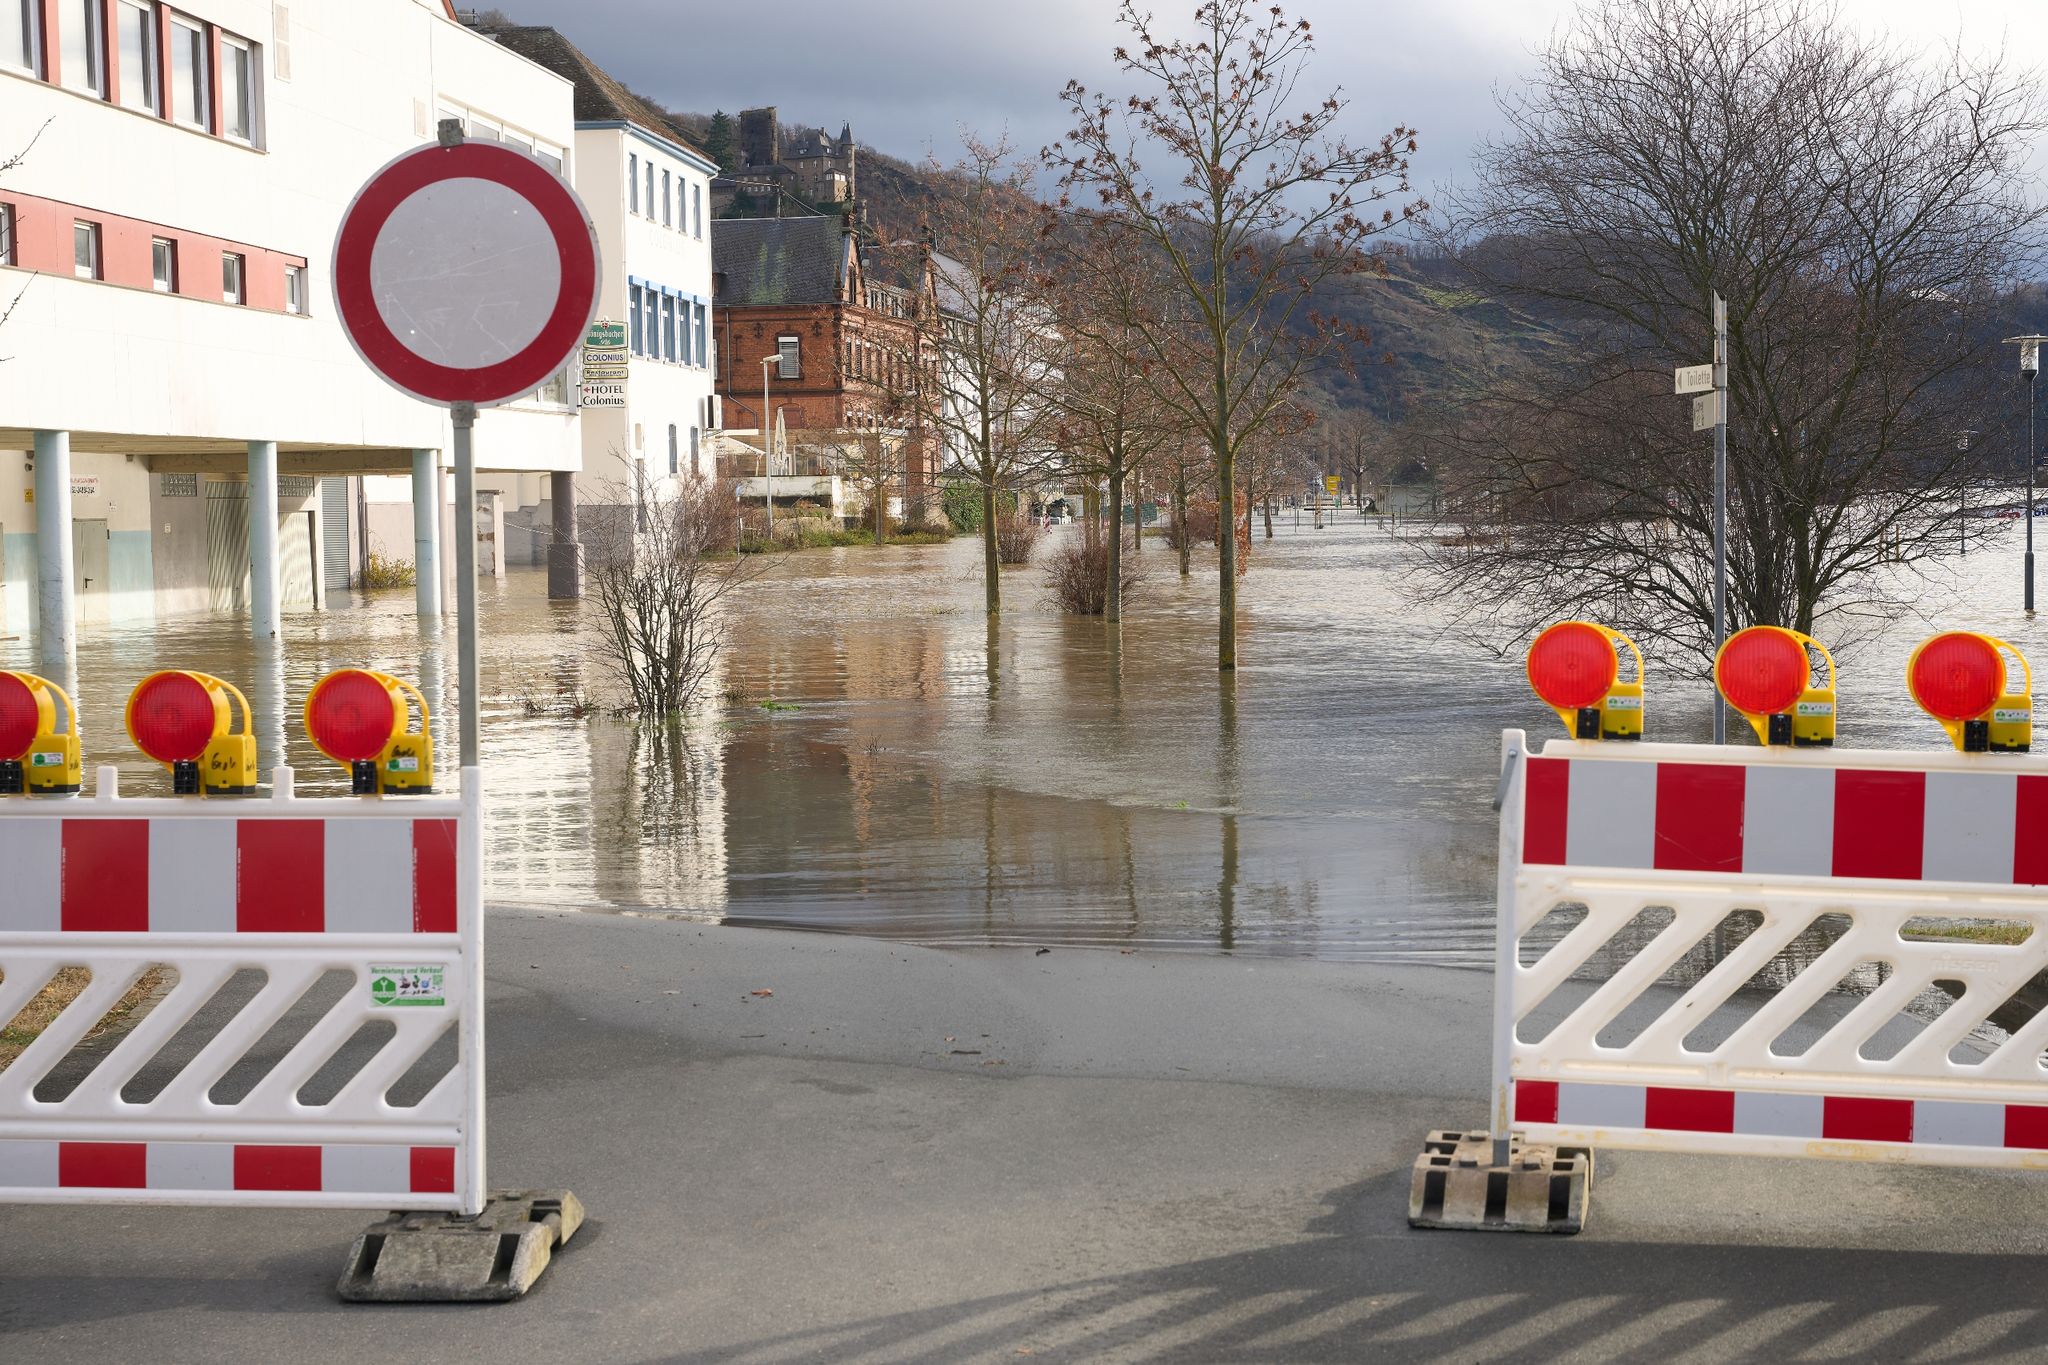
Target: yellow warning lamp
x=360, y=719
x=1959, y=677
x=1575, y=668
x=35, y=756
x=184, y=721
x=1767, y=674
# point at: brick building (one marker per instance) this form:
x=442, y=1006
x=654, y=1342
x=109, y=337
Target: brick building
x=852, y=354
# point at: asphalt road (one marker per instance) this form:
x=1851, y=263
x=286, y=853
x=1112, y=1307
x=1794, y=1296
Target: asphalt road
x=907, y=1154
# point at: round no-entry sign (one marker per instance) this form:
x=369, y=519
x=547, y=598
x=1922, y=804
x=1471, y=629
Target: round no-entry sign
x=465, y=274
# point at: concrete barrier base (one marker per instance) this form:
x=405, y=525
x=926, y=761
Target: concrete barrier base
x=1457, y=1185
x=447, y=1258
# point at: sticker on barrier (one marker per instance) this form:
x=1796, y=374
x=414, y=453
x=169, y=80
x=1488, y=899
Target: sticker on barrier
x=312, y=1028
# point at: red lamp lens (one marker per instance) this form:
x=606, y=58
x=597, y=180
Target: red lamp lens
x=1572, y=665
x=171, y=717
x=1762, y=670
x=1956, y=676
x=352, y=716
x=19, y=718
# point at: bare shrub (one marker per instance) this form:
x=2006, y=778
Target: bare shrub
x=659, y=590
x=1079, y=574
x=1017, y=535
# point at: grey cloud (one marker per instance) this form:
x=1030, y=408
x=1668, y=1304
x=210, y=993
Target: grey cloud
x=909, y=73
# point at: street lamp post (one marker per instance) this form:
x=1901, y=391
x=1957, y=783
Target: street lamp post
x=2030, y=366
x=768, y=445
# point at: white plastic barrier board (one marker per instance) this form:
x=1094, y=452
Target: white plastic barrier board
x=374, y=904
x=1873, y=840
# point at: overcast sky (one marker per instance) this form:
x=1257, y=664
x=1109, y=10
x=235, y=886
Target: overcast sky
x=908, y=73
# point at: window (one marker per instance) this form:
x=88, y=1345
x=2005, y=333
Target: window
x=650, y=300
x=668, y=326
x=295, y=289
x=20, y=23
x=234, y=272
x=788, y=357
x=163, y=265
x=85, y=250
x=665, y=220
x=638, y=340
x=697, y=209
x=556, y=390
x=191, y=84
x=83, y=43
x=674, y=449
x=703, y=357
x=6, y=234
x=137, y=24
x=238, y=88
x=549, y=157
x=632, y=183
x=650, y=191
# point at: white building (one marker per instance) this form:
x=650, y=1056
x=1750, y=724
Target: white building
x=649, y=195
x=176, y=381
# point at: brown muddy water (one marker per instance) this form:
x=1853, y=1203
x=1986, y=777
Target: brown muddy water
x=920, y=775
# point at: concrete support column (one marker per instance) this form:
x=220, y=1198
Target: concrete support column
x=444, y=523
x=56, y=609
x=426, y=531
x=565, y=552
x=265, y=622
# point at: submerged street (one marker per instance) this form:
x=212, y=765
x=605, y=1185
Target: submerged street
x=881, y=762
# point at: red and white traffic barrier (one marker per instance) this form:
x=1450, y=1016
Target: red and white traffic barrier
x=385, y=890
x=1872, y=839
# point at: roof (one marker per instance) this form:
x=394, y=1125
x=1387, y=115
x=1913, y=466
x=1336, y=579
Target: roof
x=600, y=98
x=773, y=261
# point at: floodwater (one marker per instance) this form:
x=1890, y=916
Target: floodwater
x=914, y=773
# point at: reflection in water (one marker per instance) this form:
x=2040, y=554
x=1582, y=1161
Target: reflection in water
x=888, y=760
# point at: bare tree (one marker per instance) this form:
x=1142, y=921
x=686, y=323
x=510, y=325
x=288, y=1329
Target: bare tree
x=998, y=353
x=1105, y=281
x=660, y=579
x=1356, y=447
x=872, y=459
x=1263, y=202
x=1860, y=211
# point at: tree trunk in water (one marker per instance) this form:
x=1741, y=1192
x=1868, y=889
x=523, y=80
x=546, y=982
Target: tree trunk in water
x=1269, y=516
x=1226, y=552
x=991, y=562
x=1180, y=520
x=1113, y=588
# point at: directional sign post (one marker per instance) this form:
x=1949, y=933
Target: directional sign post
x=465, y=274
x=1710, y=409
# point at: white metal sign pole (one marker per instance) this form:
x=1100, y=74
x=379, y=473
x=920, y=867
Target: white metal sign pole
x=464, y=418
x=1720, y=500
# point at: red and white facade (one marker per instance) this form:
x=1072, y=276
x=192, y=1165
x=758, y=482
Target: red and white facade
x=165, y=240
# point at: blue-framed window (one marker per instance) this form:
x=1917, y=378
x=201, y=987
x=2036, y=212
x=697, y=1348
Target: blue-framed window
x=702, y=356
x=668, y=327
x=652, y=302
x=638, y=340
